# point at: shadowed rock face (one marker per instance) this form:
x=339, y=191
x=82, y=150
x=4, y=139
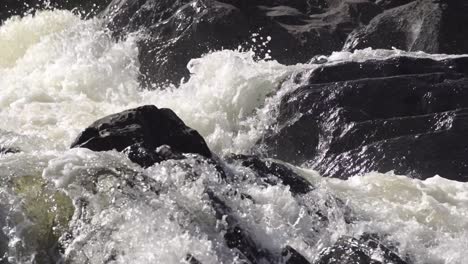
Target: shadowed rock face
x=141, y=132
x=173, y=32
x=425, y=25
x=402, y=114
x=291, y=256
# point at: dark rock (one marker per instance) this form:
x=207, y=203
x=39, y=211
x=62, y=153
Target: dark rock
x=87, y=8
x=387, y=68
x=8, y=150
x=291, y=256
x=304, y=128
x=145, y=157
x=272, y=173
x=173, y=32
x=236, y=237
x=139, y=132
x=192, y=260
x=402, y=114
x=359, y=251
x=425, y=25
x=269, y=173
x=438, y=150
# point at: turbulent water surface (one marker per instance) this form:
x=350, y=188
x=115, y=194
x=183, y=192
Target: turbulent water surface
x=59, y=73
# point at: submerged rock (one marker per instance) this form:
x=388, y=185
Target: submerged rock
x=238, y=233
x=139, y=132
x=8, y=150
x=403, y=114
x=43, y=213
x=273, y=173
x=291, y=256
x=192, y=260
x=236, y=237
x=424, y=25
x=365, y=250
x=145, y=157
x=174, y=32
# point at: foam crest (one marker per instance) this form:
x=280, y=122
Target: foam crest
x=74, y=73
x=64, y=78
x=225, y=89
x=427, y=219
x=17, y=34
x=382, y=54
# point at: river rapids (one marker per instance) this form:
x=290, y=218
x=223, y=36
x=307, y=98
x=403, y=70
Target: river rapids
x=59, y=73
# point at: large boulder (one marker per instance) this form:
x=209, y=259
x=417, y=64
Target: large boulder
x=236, y=237
x=143, y=133
x=425, y=25
x=403, y=114
x=173, y=32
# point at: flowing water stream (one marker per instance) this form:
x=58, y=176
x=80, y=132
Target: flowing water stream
x=59, y=73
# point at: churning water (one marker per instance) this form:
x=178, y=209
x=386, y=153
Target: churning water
x=59, y=73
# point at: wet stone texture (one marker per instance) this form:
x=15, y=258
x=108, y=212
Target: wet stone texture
x=142, y=133
x=173, y=32
x=403, y=114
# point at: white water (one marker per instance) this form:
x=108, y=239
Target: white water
x=59, y=73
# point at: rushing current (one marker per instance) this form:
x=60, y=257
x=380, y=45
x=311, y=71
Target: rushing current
x=59, y=73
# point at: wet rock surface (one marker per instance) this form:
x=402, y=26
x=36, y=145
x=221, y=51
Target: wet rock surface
x=291, y=256
x=236, y=237
x=140, y=132
x=173, y=32
x=425, y=25
x=402, y=114
x=265, y=173
x=273, y=173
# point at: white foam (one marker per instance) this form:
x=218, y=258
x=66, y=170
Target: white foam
x=58, y=79
x=137, y=224
x=382, y=54
x=226, y=89
x=428, y=219
x=63, y=78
